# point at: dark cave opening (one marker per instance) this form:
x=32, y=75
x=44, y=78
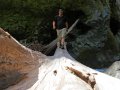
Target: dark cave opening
x=114, y=25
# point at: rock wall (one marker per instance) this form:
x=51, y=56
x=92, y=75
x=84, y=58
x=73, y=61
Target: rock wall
x=15, y=60
x=98, y=46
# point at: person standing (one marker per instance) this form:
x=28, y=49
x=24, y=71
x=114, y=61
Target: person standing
x=60, y=24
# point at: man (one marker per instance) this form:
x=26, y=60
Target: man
x=61, y=25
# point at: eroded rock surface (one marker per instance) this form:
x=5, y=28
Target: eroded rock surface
x=114, y=70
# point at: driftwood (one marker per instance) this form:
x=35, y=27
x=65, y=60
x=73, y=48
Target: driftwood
x=25, y=69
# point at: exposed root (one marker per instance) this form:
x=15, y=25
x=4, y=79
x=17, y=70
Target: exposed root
x=87, y=77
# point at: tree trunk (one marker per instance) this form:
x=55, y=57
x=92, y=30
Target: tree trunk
x=24, y=69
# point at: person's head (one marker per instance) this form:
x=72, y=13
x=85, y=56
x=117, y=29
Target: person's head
x=60, y=12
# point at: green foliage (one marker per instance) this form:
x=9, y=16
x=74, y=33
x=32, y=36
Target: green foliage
x=18, y=25
x=23, y=18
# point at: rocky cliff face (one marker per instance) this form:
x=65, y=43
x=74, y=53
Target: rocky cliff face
x=115, y=19
x=98, y=46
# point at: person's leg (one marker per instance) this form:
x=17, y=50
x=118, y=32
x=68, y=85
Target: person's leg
x=63, y=37
x=58, y=38
x=62, y=41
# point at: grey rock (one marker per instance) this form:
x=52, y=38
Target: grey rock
x=114, y=70
x=98, y=47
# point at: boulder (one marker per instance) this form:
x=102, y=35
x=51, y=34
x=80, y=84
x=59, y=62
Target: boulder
x=114, y=70
x=15, y=60
x=24, y=69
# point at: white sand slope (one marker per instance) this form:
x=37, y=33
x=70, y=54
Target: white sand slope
x=62, y=72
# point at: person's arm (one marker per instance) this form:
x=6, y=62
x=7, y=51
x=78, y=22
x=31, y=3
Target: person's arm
x=66, y=24
x=54, y=26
